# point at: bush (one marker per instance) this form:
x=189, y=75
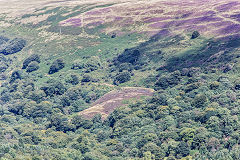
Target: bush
x=36, y=95
x=191, y=87
x=195, y=34
x=79, y=121
x=33, y=57
x=214, y=85
x=3, y=66
x=4, y=63
x=33, y=66
x=15, y=75
x=237, y=84
x=86, y=78
x=182, y=150
x=13, y=46
x=154, y=149
x=122, y=78
x=3, y=40
x=160, y=98
x=168, y=81
x=88, y=64
x=125, y=66
x=162, y=82
x=199, y=100
x=54, y=88
x=129, y=56
x=73, y=79
x=56, y=66
x=16, y=106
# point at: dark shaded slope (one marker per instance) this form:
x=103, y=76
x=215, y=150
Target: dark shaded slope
x=208, y=53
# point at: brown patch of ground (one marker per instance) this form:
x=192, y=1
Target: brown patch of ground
x=114, y=99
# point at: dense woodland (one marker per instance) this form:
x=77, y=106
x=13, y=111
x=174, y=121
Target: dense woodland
x=194, y=113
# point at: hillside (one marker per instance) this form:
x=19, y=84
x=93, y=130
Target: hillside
x=119, y=79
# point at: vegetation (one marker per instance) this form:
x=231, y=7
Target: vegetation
x=56, y=66
x=33, y=66
x=195, y=34
x=32, y=58
x=193, y=114
x=13, y=46
x=122, y=77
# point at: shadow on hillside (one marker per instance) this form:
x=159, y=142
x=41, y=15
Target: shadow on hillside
x=213, y=52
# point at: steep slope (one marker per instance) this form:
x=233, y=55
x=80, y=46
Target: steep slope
x=119, y=79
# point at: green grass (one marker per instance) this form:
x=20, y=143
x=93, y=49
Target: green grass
x=175, y=49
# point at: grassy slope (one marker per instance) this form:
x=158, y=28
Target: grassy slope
x=53, y=41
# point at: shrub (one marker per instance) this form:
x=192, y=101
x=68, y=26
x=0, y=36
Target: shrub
x=159, y=98
x=86, y=78
x=191, y=87
x=36, y=95
x=195, y=34
x=13, y=46
x=125, y=66
x=122, y=77
x=168, y=81
x=154, y=149
x=214, y=85
x=3, y=40
x=199, y=100
x=15, y=75
x=88, y=64
x=54, y=88
x=33, y=66
x=79, y=121
x=129, y=56
x=16, y=106
x=162, y=82
x=56, y=66
x=3, y=66
x=237, y=84
x=33, y=57
x=73, y=79
x=182, y=150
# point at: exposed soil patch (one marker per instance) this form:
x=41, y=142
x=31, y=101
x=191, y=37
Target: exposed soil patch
x=110, y=101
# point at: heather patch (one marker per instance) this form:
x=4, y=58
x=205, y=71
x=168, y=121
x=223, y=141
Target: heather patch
x=127, y=21
x=182, y=15
x=156, y=19
x=235, y=28
x=155, y=11
x=205, y=19
x=149, y=33
x=74, y=21
x=95, y=24
x=227, y=6
x=114, y=99
x=105, y=10
x=189, y=28
x=118, y=18
x=220, y=24
x=176, y=13
x=236, y=17
x=159, y=25
x=205, y=13
x=91, y=18
x=94, y=13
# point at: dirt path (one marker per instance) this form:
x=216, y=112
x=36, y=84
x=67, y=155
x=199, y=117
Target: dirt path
x=110, y=101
